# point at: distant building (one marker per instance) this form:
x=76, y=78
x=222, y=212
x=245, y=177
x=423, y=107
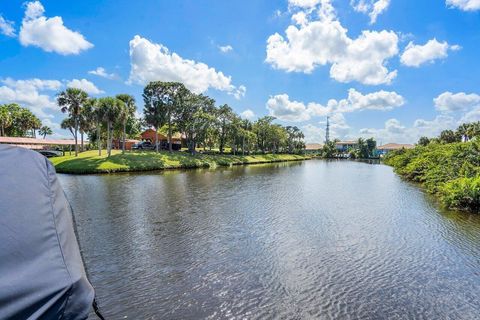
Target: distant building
x=345, y=146
x=313, y=147
x=386, y=148
x=117, y=144
x=39, y=144
x=149, y=135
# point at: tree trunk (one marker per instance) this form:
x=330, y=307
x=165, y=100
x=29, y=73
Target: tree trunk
x=169, y=134
x=243, y=145
x=99, y=139
x=124, y=135
x=156, y=139
x=76, y=136
x=81, y=140
x=109, y=146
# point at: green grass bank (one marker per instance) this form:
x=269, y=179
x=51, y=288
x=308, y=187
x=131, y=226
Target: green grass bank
x=89, y=161
x=450, y=171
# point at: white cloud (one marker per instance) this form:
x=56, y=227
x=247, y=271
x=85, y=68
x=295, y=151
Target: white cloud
x=303, y=3
x=226, y=48
x=373, y=8
x=248, y=114
x=282, y=108
x=49, y=33
x=415, y=55
x=309, y=44
x=450, y=102
x=6, y=27
x=154, y=62
x=471, y=116
x=101, y=72
x=395, y=131
x=313, y=134
x=356, y=101
x=239, y=92
x=466, y=5
x=30, y=93
x=85, y=85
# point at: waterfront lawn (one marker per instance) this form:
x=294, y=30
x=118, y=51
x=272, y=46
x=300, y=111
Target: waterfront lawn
x=90, y=162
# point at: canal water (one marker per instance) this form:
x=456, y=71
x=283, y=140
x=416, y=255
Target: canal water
x=301, y=240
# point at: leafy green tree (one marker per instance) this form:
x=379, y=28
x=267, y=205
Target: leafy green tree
x=329, y=150
x=71, y=101
x=262, y=128
x=44, y=131
x=448, y=136
x=224, y=116
x=423, y=141
x=6, y=119
x=154, y=109
x=193, y=118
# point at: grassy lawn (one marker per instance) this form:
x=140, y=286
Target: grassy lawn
x=90, y=162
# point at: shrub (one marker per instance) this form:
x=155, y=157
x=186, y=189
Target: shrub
x=462, y=193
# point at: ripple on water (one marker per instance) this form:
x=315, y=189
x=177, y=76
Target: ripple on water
x=329, y=240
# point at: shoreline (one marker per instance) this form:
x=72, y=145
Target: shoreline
x=89, y=162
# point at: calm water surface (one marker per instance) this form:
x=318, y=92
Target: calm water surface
x=310, y=240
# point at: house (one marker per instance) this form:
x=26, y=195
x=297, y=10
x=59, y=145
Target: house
x=313, y=147
x=345, y=146
x=117, y=144
x=386, y=148
x=149, y=135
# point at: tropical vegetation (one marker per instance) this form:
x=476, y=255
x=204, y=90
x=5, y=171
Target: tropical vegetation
x=447, y=166
x=169, y=107
x=16, y=121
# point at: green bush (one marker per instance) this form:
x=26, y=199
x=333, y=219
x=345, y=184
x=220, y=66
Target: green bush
x=462, y=193
x=448, y=170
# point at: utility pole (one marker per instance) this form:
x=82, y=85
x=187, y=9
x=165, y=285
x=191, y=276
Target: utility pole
x=327, y=131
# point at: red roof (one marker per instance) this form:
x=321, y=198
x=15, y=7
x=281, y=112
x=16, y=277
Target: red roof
x=34, y=141
x=395, y=146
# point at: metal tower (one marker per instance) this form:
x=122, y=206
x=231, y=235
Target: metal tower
x=327, y=132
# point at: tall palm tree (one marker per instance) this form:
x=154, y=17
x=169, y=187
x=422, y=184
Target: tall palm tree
x=72, y=101
x=112, y=108
x=129, y=109
x=94, y=115
x=44, y=131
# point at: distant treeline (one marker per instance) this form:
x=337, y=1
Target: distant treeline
x=446, y=166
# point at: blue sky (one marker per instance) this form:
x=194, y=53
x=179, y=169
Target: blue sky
x=392, y=69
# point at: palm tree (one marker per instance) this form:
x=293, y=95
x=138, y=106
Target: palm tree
x=112, y=108
x=71, y=101
x=129, y=109
x=44, y=131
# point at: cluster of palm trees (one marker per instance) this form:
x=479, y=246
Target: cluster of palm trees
x=16, y=121
x=170, y=106
x=93, y=116
x=464, y=132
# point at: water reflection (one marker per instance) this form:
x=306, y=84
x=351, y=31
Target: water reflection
x=311, y=239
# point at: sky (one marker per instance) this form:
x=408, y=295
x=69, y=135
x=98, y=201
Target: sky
x=394, y=70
